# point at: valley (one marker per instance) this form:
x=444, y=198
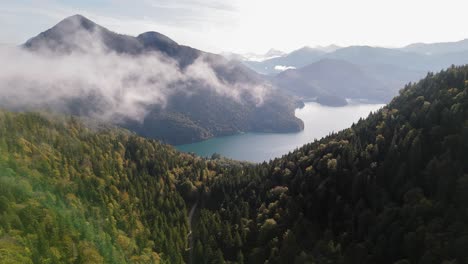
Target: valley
x=379, y=191
x=124, y=147
x=319, y=121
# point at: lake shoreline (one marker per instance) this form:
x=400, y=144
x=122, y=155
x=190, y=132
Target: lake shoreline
x=319, y=121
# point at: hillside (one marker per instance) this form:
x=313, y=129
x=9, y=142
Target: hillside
x=84, y=192
x=176, y=93
x=298, y=58
x=390, y=189
x=330, y=77
x=73, y=195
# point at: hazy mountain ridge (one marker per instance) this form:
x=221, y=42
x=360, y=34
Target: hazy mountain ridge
x=201, y=85
x=297, y=59
x=438, y=48
x=270, y=54
x=389, y=67
x=332, y=78
x=418, y=56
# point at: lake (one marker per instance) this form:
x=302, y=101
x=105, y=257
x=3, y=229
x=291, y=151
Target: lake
x=319, y=121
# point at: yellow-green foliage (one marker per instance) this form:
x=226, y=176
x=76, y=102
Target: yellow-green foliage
x=70, y=194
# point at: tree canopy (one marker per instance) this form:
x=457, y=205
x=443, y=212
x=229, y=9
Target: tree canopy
x=392, y=188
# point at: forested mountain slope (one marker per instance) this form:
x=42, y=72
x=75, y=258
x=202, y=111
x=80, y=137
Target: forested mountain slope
x=76, y=193
x=390, y=189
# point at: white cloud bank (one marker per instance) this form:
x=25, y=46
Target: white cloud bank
x=284, y=68
x=115, y=86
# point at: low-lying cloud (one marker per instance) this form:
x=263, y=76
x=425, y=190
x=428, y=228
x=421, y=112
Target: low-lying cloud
x=284, y=68
x=125, y=85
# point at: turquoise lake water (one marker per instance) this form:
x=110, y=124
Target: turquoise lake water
x=319, y=121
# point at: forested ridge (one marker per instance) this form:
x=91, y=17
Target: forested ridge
x=77, y=193
x=393, y=188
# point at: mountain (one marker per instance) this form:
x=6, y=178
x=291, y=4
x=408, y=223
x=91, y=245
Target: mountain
x=405, y=58
x=213, y=97
x=412, y=62
x=329, y=48
x=394, y=77
x=386, y=68
x=392, y=188
x=296, y=59
x=392, y=68
x=77, y=33
x=359, y=55
x=366, y=55
x=272, y=53
x=332, y=78
x=75, y=191
x=438, y=48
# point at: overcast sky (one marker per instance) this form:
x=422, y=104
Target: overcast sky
x=251, y=25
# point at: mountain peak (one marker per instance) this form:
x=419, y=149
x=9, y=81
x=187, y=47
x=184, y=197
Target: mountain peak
x=305, y=48
x=65, y=35
x=78, y=33
x=77, y=17
x=76, y=22
x=274, y=52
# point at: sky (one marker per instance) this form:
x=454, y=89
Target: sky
x=251, y=25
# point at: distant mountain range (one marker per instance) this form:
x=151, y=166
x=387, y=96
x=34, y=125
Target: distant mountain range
x=338, y=73
x=296, y=59
x=437, y=48
x=418, y=56
x=270, y=54
x=197, y=110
